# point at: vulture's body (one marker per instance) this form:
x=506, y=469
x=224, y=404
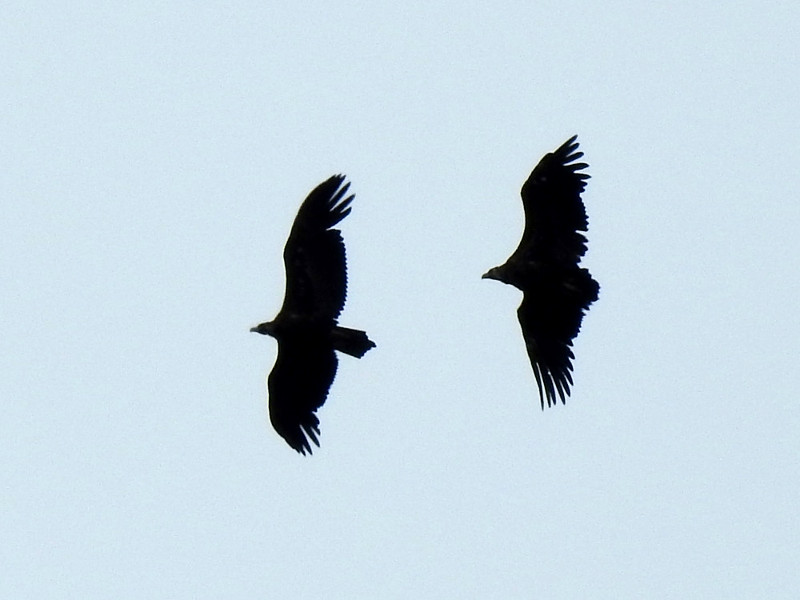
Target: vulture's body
x=306, y=326
x=557, y=292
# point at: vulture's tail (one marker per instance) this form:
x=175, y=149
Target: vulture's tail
x=351, y=341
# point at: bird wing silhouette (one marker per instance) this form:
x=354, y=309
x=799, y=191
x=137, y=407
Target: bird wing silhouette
x=298, y=386
x=314, y=255
x=554, y=212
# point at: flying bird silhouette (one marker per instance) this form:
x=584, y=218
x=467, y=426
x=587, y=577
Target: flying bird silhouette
x=556, y=291
x=306, y=325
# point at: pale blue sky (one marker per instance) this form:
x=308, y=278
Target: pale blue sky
x=154, y=156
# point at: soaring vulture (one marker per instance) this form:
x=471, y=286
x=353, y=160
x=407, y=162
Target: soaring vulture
x=556, y=291
x=306, y=326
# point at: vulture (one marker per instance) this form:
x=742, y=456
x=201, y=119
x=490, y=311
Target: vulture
x=556, y=291
x=306, y=326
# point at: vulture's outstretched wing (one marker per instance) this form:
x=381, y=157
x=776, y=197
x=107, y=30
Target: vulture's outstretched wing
x=298, y=386
x=554, y=212
x=314, y=255
x=550, y=317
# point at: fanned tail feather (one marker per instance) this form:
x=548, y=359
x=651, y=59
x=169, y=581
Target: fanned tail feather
x=351, y=341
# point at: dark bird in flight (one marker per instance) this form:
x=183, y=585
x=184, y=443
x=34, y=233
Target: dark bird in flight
x=306, y=326
x=556, y=291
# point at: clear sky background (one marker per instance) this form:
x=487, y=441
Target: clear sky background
x=153, y=158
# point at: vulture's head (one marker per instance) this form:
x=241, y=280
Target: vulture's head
x=267, y=328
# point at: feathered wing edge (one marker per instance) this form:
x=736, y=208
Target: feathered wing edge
x=315, y=256
x=550, y=322
x=551, y=364
x=325, y=205
x=551, y=198
x=298, y=386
